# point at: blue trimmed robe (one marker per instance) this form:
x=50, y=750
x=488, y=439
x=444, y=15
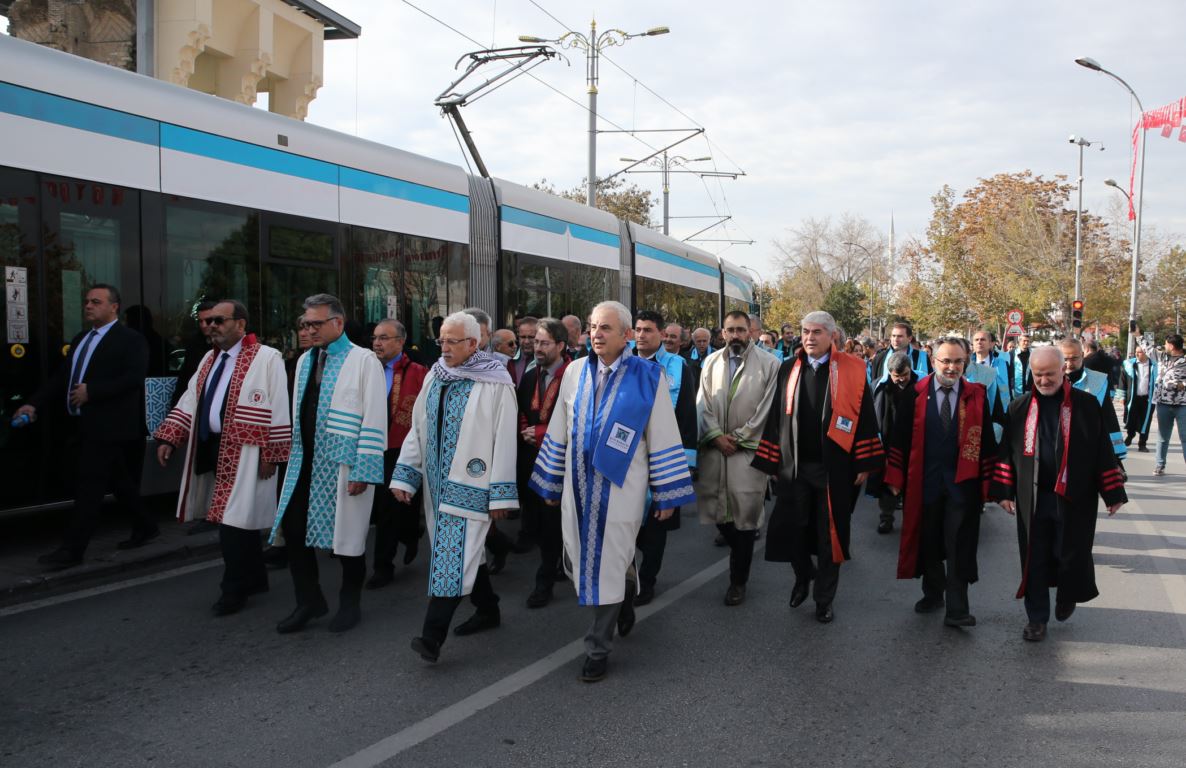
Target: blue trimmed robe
x=600, y=520
x=462, y=448
x=1096, y=384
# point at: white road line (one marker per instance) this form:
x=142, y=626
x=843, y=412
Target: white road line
x=91, y=592
x=456, y=713
x=1172, y=580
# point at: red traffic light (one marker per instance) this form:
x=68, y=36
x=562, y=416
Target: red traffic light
x=1077, y=305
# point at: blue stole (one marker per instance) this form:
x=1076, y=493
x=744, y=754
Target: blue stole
x=1094, y=382
x=613, y=436
x=1130, y=370
x=673, y=366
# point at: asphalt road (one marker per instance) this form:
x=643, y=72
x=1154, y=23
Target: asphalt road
x=143, y=675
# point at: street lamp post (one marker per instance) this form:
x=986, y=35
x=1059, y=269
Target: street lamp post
x=592, y=45
x=1112, y=183
x=1094, y=65
x=872, y=264
x=665, y=164
x=1081, y=142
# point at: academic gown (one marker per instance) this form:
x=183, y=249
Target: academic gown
x=683, y=396
x=1092, y=472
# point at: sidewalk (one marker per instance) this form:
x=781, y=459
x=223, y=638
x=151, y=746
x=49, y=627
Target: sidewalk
x=22, y=541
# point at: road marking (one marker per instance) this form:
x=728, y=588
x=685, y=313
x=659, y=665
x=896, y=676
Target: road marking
x=1172, y=580
x=93, y=591
x=450, y=716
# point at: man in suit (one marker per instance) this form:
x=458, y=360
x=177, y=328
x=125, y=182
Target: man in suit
x=101, y=387
x=901, y=340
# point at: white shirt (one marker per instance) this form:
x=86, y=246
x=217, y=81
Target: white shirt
x=90, y=352
x=224, y=382
x=1143, y=378
x=816, y=362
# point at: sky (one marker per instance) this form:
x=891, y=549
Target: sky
x=844, y=106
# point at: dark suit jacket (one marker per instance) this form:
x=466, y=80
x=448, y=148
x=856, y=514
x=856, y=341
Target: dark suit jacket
x=114, y=381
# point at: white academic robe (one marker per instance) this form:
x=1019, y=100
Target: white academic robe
x=599, y=535
x=348, y=447
x=255, y=427
x=468, y=469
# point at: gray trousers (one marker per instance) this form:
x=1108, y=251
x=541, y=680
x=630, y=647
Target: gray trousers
x=600, y=639
x=887, y=503
x=940, y=525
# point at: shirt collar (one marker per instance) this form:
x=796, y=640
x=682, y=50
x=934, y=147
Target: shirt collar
x=614, y=365
x=955, y=389
x=819, y=360
x=102, y=330
x=391, y=363
x=233, y=352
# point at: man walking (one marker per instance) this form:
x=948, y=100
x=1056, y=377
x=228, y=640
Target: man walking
x=901, y=340
x=1138, y=379
x=886, y=396
x=1169, y=398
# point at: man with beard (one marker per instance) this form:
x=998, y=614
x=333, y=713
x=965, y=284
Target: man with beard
x=901, y=340
x=525, y=358
x=885, y=405
x=821, y=441
x=736, y=386
x=1138, y=379
x=537, y=395
x=1095, y=384
x=1056, y=463
x=941, y=452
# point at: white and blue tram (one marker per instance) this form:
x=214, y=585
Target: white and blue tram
x=176, y=196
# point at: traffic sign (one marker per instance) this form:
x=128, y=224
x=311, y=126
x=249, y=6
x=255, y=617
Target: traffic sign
x=1014, y=330
x=1014, y=317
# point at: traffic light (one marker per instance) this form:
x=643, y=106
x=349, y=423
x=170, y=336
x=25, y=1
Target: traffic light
x=1077, y=313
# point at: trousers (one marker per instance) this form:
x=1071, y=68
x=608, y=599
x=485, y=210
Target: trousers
x=302, y=559
x=441, y=609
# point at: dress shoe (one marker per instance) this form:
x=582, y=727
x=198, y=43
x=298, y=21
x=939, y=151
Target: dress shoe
x=228, y=604
x=1143, y=448
x=428, y=649
x=928, y=605
x=1063, y=611
x=276, y=558
x=1034, y=632
x=626, y=613
x=799, y=592
x=345, y=619
x=139, y=539
x=646, y=593
x=735, y=594
x=301, y=616
x=523, y=545
x=59, y=559
x=498, y=561
x=885, y=526
x=1128, y=440
x=201, y=526
x=720, y=540
x=823, y=613
x=411, y=549
x=380, y=579
x=479, y=622
x=593, y=670
x=967, y=620
x=539, y=597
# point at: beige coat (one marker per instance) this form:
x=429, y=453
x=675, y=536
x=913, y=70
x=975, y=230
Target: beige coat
x=729, y=489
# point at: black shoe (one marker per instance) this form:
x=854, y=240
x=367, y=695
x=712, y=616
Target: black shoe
x=646, y=593
x=626, y=613
x=411, y=549
x=1063, y=611
x=479, y=622
x=1142, y=448
x=228, y=604
x=59, y=559
x=823, y=613
x=523, y=545
x=720, y=540
x=498, y=562
x=1128, y=440
x=201, y=526
x=593, y=670
x=967, y=620
x=885, y=526
x=139, y=539
x=539, y=597
x=276, y=558
x=928, y=605
x=345, y=619
x=1034, y=632
x=301, y=616
x=735, y=594
x=429, y=651
x=380, y=579
x=799, y=592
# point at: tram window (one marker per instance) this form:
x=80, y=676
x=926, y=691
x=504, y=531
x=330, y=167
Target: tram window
x=285, y=288
x=589, y=286
x=689, y=307
x=375, y=255
x=210, y=253
x=300, y=245
x=433, y=288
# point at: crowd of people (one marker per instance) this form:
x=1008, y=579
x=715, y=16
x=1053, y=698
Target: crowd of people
x=595, y=435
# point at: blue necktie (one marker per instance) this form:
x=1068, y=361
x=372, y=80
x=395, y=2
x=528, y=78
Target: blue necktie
x=76, y=374
x=208, y=398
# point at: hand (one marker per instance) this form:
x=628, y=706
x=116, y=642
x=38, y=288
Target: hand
x=725, y=445
x=78, y=396
x=402, y=496
x=552, y=503
x=266, y=470
x=528, y=436
x=895, y=490
x=499, y=514
x=663, y=514
x=353, y=489
x=1113, y=509
x=163, y=452
x=26, y=410
x=1008, y=506
x=861, y=478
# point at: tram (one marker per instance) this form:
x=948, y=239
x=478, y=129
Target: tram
x=176, y=196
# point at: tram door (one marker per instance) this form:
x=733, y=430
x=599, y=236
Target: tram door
x=57, y=236
x=300, y=258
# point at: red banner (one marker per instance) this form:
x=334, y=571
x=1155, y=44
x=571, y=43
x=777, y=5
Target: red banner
x=1166, y=118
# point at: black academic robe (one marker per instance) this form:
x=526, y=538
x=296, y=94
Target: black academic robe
x=685, y=418
x=885, y=399
x=1093, y=472
x=775, y=456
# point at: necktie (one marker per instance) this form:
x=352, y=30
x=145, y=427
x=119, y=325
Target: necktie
x=602, y=379
x=815, y=364
x=945, y=409
x=208, y=397
x=320, y=366
x=76, y=374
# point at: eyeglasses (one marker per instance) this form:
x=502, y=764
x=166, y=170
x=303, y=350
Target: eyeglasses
x=315, y=325
x=386, y=339
x=946, y=361
x=213, y=320
x=450, y=342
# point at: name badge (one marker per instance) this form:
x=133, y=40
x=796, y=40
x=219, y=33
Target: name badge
x=620, y=437
x=843, y=424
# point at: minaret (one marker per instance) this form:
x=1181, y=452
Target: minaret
x=892, y=253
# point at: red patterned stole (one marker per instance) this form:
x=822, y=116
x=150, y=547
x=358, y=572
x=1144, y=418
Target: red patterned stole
x=1064, y=427
x=549, y=401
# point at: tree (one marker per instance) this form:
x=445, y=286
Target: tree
x=844, y=303
x=628, y=202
